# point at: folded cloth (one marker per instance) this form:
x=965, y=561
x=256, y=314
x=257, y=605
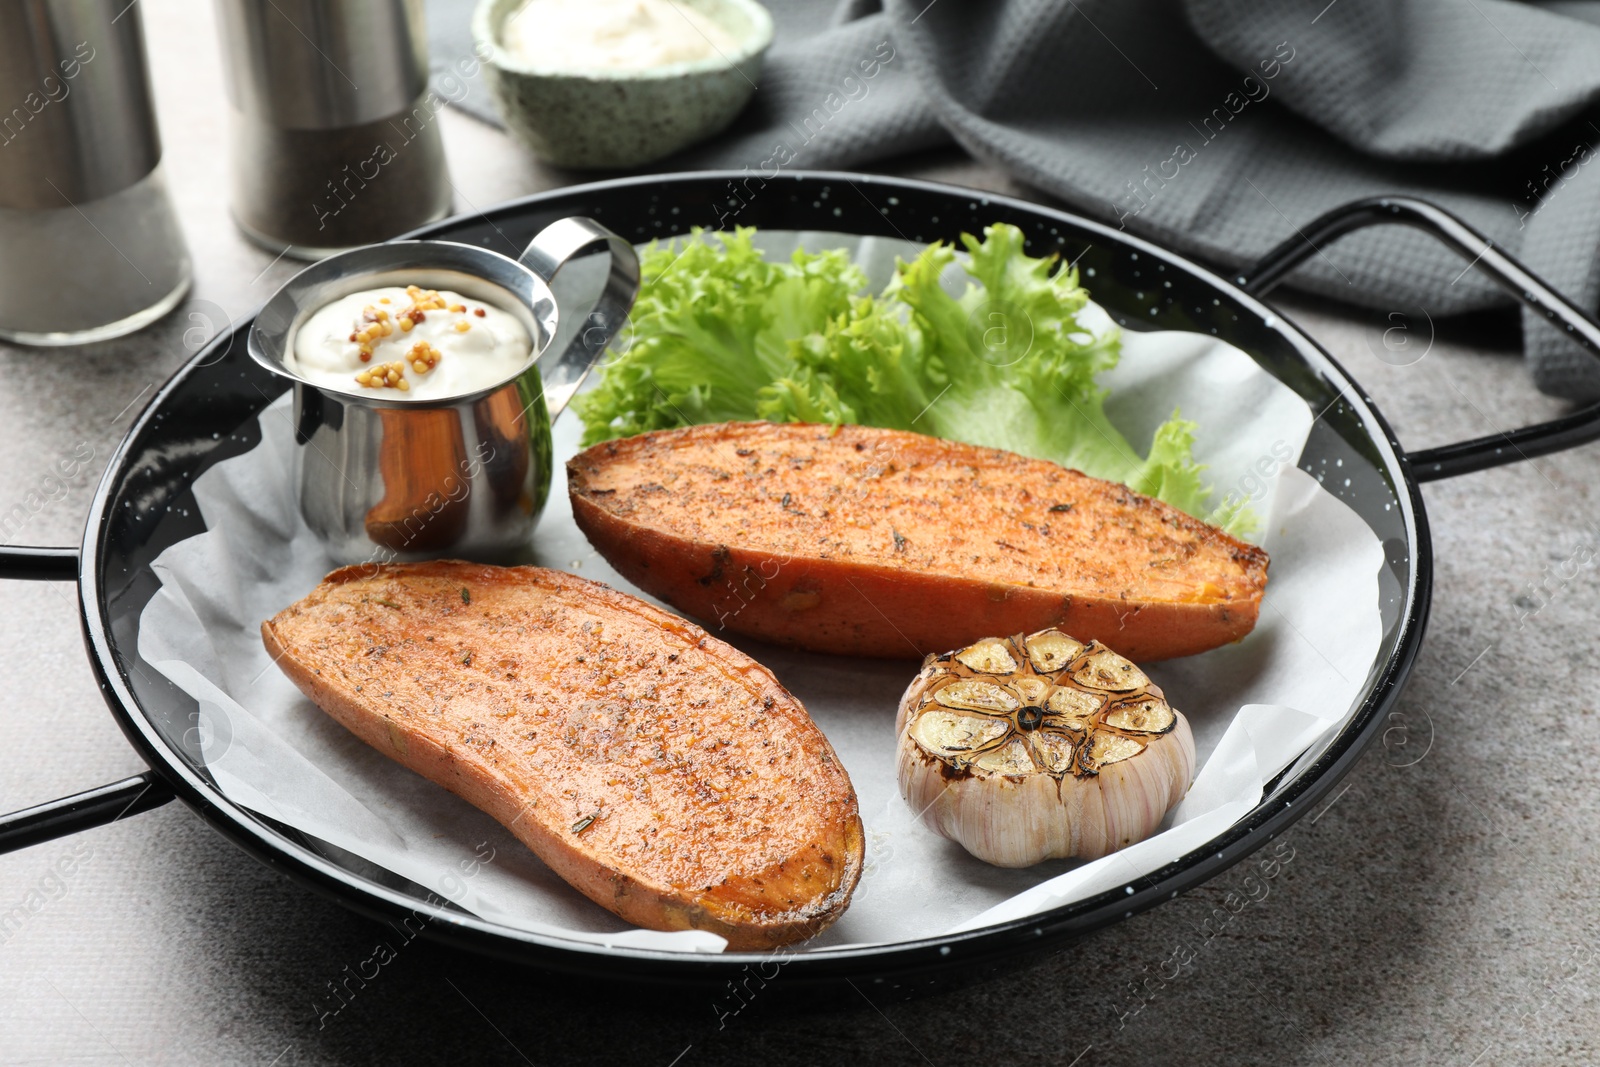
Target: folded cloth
x=1218, y=127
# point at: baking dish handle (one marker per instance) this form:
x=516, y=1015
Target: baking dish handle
x=93, y=807
x=39, y=564
x=1447, y=461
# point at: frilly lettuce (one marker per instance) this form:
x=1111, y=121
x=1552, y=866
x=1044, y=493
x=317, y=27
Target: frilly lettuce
x=720, y=334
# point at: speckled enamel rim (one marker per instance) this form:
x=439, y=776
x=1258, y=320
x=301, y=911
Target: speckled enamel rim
x=109, y=585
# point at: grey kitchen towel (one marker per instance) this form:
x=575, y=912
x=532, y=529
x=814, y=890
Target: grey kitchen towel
x=1217, y=127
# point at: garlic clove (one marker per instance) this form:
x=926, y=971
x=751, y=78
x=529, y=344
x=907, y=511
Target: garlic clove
x=1065, y=700
x=989, y=656
x=1050, y=650
x=1030, y=690
x=1011, y=758
x=952, y=736
x=1053, y=751
x=1105, y=749
x=975, y=695
x=1142, y=716
x=1104, y=669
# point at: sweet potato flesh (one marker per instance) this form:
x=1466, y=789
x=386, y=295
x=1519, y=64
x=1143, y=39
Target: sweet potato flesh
x=877, y=542
x=664, y=774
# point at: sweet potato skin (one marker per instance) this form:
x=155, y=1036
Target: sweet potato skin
x=859, y=541
x=665, y=775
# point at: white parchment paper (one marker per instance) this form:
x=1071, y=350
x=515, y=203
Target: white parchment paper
x=1254, y=706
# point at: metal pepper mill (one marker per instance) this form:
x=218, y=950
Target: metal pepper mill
x=334, y=134
x=90, y=247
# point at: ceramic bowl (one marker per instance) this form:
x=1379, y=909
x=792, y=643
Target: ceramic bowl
x=612, y=119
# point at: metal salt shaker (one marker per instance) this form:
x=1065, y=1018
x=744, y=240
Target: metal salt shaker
x=334, y=133
x=90, y=247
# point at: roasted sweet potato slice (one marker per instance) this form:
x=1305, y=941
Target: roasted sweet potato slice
x=868, y=542
x=665, y=775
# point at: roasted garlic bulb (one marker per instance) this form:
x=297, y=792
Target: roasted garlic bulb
x=1040, y=747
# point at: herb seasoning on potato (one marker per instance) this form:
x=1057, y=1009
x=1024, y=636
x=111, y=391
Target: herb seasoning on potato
x=860, y=541
x=663, y=774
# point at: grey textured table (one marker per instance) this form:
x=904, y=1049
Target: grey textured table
x=1441, y=911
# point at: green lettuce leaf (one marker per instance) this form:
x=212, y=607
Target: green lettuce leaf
x=721, y=334
x=710, y=329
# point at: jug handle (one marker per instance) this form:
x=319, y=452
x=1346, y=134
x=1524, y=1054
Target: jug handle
x=555, y=246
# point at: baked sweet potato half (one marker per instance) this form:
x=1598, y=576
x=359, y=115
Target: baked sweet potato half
x=860, y=541
x=667, y=776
